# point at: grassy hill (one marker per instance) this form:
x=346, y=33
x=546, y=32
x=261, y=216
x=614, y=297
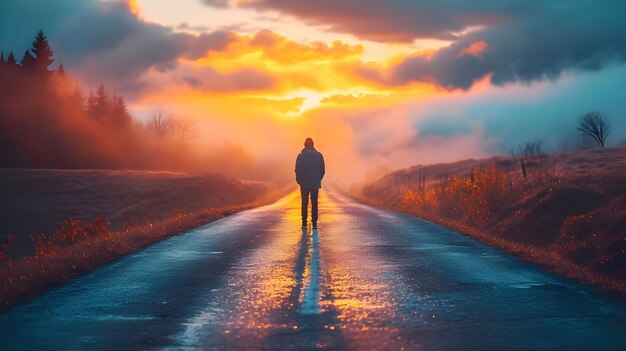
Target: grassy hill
x=85, y=219
x=567, y=213
x=34, y=201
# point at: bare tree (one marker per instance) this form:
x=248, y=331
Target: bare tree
x=531, y=151
x=161, y=124
x=185, y=128
x=594, y=126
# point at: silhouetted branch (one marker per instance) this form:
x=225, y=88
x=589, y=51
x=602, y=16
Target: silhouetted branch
x=160, y=124
x=595, y=127
x=185, y=128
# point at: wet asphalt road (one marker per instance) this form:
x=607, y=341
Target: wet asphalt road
x=367, y=279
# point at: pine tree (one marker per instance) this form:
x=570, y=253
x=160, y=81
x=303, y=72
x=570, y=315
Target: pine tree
x=42, y=52
x=120, y=117
x=11, y=59
x=76, y=98
x=2, y=58
x=101, y=94
x=61, y=70
x=98, y=103
x=90, y=104
x=28, y=61
x=102, y=101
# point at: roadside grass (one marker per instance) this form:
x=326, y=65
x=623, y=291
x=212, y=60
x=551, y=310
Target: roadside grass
x=76, y=248
x=573, y=223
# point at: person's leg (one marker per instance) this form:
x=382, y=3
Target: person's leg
x=304, y=194
x=314, y=194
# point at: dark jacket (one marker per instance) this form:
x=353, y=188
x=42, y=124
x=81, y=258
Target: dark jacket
x=310, y=168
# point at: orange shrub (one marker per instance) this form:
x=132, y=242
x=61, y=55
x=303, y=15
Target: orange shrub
x=474, y=200
x=70, y=231
x=413, y=199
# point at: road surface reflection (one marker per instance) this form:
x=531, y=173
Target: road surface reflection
x=367, y=279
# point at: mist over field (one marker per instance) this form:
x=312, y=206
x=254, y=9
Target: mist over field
x=396, y=94
x=312, y=174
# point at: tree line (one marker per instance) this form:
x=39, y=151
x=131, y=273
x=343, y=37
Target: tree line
x=47, y=122
x=34, y=67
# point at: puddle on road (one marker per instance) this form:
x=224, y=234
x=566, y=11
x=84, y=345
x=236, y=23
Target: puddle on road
x=362, y=285
x=309, y=302
x=271, y=296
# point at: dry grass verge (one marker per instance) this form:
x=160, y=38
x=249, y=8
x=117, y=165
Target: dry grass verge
x=75, y=249
x=568, y=215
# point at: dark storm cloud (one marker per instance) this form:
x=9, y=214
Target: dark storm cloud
x=566, y=36
x=394, y=20
x=445, y=69
x=526, y=40
x=103, y=40
x=198, y=47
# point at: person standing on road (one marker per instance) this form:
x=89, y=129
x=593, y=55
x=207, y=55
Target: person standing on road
x=310, y=170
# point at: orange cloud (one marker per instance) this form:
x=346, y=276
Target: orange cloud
x=275, y=76
x=475, y=49
x=281, y=49
x=276, y=69
x=268, y=49
x=133, y=6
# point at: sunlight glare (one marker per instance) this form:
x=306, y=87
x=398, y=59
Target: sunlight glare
x=311, y=100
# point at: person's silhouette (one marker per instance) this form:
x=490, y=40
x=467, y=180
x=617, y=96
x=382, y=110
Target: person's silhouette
x=310, y=170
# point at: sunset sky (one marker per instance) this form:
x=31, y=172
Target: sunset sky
x=377, y=84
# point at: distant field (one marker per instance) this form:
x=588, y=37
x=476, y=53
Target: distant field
x=568, y=214
x=33, y=201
